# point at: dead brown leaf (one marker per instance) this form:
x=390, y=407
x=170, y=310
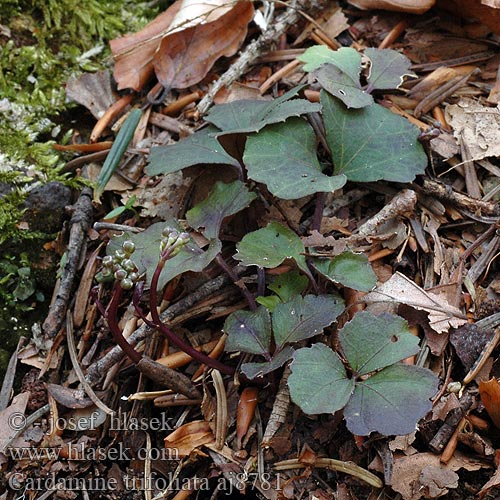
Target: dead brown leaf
x=165, y=199
x=436, y=482
x=477, y=126
x=413, y=475
x=489, y=390
x=485, y=10
x=92, y=90
x=12, y=419
x=410, y=6
x=133, y=54
x=185, y=57
x=400, y=289
x=316, y=239
x=189, y=436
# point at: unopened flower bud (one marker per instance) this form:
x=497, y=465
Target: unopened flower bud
x=166, y=232
x=120, y=274
x=127, y=284
x=128, y=247
x=133, y=277
x=128, y=265
x=107, y=273
x=107, y=261
x=100, y=278
x=120, y=255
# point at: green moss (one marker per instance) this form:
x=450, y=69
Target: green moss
x=49, y=42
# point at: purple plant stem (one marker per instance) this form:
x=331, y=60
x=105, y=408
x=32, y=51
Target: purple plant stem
x=111, y=316
x=318, y=211
x=261, y=281
x=244, y=290
x=171, y=336
x=138, y=309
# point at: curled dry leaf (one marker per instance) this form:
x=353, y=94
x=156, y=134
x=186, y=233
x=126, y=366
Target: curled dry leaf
x=245, y=412
x=133, y=54
x=400, y=289
x=410, y=6
x=490, y=397
x=185, y=57
x=413, y=475
x=189, y=436
x=181, y=44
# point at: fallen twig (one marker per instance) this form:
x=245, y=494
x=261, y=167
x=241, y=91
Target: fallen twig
x=254, y=50
x=80, y=224
x=446, y=193
x=74, y=359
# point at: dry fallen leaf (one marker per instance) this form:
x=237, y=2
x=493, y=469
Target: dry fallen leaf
x=12, y=419
x=165, y=199
x=436, y=482
x=185, y=57
x=133, y=54
x=92, y=90
x=189, y=436
x=413, y=475
x=181, y=44
x=486, y=11
x=410, y=6
x=401, y=290
x=316, y=239
x=490, y=397
x=477, y=126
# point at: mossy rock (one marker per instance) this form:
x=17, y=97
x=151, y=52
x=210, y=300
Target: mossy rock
x=46, y=207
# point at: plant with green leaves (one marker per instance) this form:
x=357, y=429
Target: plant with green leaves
x=376, y=392
x=365, y=379
x=277, y=147
x=271, y=143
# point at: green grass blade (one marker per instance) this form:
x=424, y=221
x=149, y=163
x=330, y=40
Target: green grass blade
x=117, y=151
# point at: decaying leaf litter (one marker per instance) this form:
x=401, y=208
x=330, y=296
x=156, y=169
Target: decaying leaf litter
x=327, y=291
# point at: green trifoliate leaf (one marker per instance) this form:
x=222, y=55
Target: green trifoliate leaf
x=372, y=143
x=286, y=285
x=349, y=269
x=340, y=85
x=247, y=116
x=338, y=72
x=252, y=370
x=314, y=57
x=283, y=157
x=269, y=302
x=199, y=148
x=372, y=342
x=318, y=381
x=392, y=401
x=304, y=317
x=249, y=331
x=270, y=246
x=224, y=200
x=387, y=69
